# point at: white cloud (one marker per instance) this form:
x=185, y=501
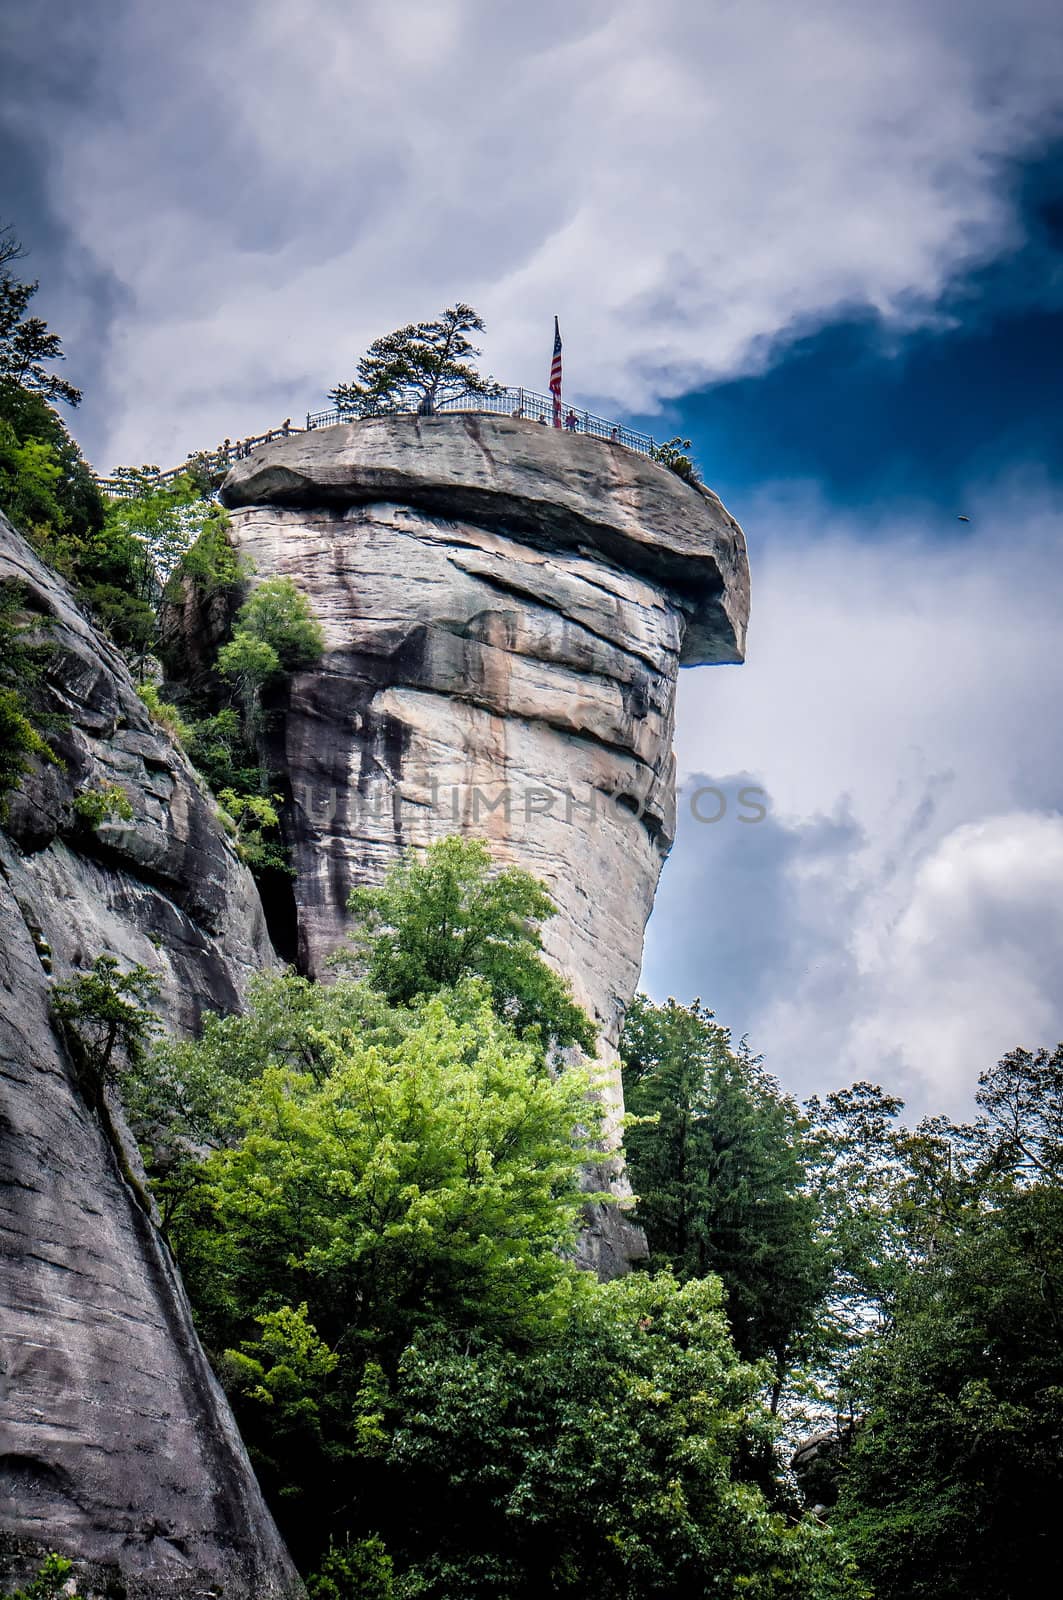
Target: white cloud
x=685, y=184
x=899, y=915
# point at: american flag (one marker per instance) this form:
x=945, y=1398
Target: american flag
x=555, y=375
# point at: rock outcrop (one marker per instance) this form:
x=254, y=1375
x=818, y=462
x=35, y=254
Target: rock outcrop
x=506, y=609
x=116, y=1445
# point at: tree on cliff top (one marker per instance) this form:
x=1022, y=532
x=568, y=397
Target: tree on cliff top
x=417, y=367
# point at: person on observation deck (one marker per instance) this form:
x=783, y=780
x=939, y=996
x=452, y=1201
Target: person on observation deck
x=571, y=421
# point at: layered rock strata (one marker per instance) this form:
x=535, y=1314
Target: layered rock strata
x=116, y=1445
x=506, y=609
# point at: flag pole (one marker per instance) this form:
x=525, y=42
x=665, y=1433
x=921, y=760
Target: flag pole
x=555, y=374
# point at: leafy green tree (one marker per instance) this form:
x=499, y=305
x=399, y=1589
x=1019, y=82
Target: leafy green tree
x=27, y=348
x=76, y=507
x=421, y=1176
x=219, y=747
x=449, y=915
x=211, y=562
x=106, y=1018
x=255, y=823
x=275, y=633
x=952, y=1487
x=250, y=664
x=607, y=1461
x=376, y=1171
x=721, y=1177
x=278, y=614
x=29, y=481
x=419, y=366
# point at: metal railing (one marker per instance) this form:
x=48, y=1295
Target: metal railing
x=215, y=462
x=521, y=403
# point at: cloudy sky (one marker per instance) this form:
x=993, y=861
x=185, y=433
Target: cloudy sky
x=824, y=241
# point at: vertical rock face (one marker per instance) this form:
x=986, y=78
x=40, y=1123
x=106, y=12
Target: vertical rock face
x=116, y=1445
x=506, y=609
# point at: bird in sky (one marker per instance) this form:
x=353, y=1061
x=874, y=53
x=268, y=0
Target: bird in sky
x=963, y=519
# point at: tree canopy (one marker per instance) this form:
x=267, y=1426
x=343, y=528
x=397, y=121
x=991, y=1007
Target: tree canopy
x=716, y=1160
x=418, y=367
x=450, y=915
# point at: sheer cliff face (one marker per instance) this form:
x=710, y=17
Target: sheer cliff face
x=506, y=609
x=116, y=1445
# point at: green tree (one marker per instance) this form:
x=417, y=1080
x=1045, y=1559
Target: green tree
x=449, y=915
x=275, y=633
x=278, y=614
x=76, y=508
x=952, y=1487
x=418, y=366
x=607, y=1461
x=29, y=482
x=255, y=825
x=377, y=1171
x=721, y=1176
x=106, y=1018
x=27, y=348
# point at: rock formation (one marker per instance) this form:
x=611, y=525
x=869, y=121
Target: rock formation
x=506, y=609
x=116, y=1444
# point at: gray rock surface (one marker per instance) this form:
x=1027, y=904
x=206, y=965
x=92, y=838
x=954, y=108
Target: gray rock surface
x=506, y=609
x=116, y=1444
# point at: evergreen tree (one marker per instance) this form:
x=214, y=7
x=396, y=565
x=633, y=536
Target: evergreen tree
x=419, y=366
x=720, y=1175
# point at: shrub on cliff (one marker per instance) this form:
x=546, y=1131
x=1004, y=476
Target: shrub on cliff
x=23, y=656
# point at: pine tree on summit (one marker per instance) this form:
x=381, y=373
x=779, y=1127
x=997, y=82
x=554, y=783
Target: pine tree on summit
x=418, y=367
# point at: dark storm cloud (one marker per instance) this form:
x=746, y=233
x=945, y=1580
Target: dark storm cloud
x=268, y=186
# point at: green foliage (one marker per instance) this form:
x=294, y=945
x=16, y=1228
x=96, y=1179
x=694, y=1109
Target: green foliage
x=218, y=747
x=278, y=614
x=605, y=1461
x=375, y=1171
x=675, y=454
x=166, y=715
x=953, y=1487
x=418, y=366
x=275, y=633
x=49, y=1584
x=358, y=1570
x=29, y=481
x=96, y=806
x=23, y=660
x=448, y=916
x=75, y=507
x=717, y=1160
x=27, y=348
x=211, y=562
x=255, y=822
x=106, y=1017
x=428, y=1172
